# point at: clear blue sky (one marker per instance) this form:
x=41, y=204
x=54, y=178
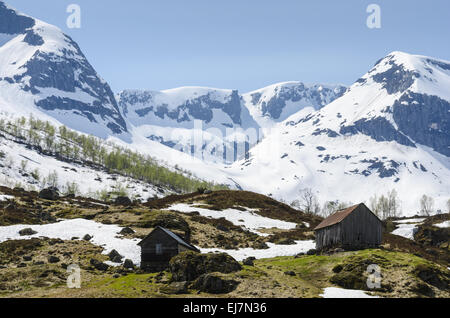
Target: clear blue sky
x=244, y=44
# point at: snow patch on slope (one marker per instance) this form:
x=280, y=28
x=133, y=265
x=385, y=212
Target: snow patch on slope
x=249, y=218
x=106, y=236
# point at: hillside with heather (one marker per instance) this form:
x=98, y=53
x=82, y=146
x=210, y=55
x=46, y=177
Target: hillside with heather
x=264, y=243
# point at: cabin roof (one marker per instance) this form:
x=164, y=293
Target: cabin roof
x=337, y=217
x=174, y=236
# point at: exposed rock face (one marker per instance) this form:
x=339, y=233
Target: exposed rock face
x=273, y=104
x=396, y=79
x=202, y=107
x=188, y=266
x=425, y=119
x=379, y=129
x=57, y=76
x=11, y=23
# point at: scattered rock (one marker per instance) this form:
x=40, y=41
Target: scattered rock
x=75, y=238
x=311, y=252
x=27, y=258
x=49, y=194
x=260, y=245
x=126, y=231
x=53, y=259
x=128, y=264
x=285, y=241
x=125, y=201
x=115, y=257
x=21, y=265
x=116, y=275
x=87, y=237
x=289, y=273
x=99, y=265
x=214, y=284
x=249, y=261
x=299, y=255
x=27, y=232
x=175, y=288
x=222, y=228
x=338, y=268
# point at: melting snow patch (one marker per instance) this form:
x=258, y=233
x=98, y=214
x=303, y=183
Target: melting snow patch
x=407, y=228
x=4, y=197
x=333, y=292
x=410, y=221
x=106, y=236
x=443, y=224
x=273, y=250
x=248, y=218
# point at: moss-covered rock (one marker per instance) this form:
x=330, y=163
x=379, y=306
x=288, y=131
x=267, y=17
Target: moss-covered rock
x=214, y=284
x=432, y=236
x=188, y=266
x=433, y=275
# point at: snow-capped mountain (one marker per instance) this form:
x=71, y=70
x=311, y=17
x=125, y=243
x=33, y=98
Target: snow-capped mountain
x=390, y=130
x=206, y=122
x=43, y=72
x=277, y=102
x=228, y=123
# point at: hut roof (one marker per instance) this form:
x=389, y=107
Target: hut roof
x=337, y=217
x=174, y=236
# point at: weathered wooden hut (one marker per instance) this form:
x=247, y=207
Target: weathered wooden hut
x=353, y=228
x=158, y=248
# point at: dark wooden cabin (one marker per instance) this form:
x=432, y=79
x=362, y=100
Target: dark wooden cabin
x=158, y=248
x=353, y=228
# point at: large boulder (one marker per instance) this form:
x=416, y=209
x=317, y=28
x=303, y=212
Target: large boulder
x=27, y=232
x=51, y=193
x=188, y=266
x=214, y=284
x=249, y=261
x=128, y=264
x=115, y=257
x=126, y=231
x=125, y=201
x=99, y=265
